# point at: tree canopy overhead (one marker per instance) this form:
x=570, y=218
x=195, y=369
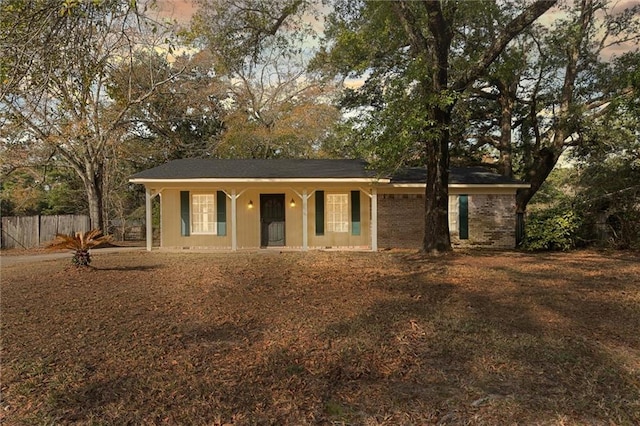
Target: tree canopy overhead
x=552, y=89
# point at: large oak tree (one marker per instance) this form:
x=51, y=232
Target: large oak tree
x=418, y=58
x=554, y=88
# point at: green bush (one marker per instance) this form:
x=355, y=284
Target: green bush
x=552, y=229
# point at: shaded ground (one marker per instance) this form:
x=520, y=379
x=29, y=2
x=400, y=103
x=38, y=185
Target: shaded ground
x=323, y=338
x=14, y=257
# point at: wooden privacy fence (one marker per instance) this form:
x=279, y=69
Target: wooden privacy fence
x=33, y=231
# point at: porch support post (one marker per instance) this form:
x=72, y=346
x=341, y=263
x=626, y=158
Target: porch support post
x=305, y=221
x=374, y=219
x=234, y=228
x=148, y=218
x=305, y=216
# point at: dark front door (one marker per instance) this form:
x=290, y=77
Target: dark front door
x=272, y=220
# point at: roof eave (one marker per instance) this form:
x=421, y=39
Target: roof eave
x=258, y=180
x=464, y=185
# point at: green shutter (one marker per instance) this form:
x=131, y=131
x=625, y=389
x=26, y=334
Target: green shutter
x=355, y=212
x=184, y=213
x=463, y=215
x=319, y=212
x=221, y=207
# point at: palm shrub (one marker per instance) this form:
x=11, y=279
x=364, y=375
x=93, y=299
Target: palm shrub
x=80, y=243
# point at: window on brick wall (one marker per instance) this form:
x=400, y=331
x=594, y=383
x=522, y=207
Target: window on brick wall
x=453, y=214
x=459, y=215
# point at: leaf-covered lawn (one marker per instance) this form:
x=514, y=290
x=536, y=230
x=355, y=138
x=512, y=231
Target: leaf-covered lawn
x=323, y=338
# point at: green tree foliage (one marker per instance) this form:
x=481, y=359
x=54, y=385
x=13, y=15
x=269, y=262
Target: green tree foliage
x=50, y=190
x=559, y=188
x=22, y=194
x=609, y=165
x=602, y=185
x=550, y=90
x=417, y=59
x=610, y=200
x=64, y=193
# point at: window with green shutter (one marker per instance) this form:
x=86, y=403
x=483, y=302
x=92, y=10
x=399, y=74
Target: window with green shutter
x=463, y=216
x=337, y=212
x=319, y=212
x=221, y=206
x=203, y=214
x=355, y=212
x=184, y=213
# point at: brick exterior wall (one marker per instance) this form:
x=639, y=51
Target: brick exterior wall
x=492, y=221
x=400, y=220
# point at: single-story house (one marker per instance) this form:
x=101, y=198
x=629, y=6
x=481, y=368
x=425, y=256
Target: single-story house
x=318, y=204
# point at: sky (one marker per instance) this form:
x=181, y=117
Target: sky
x=183, y=10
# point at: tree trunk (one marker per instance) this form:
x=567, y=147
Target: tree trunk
x=545, y=161
x=547, y=157
x=93, y=185
x=436, y=206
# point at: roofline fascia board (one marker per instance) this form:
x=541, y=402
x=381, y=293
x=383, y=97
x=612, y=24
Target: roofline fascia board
x=464, y=185
x=260, y=180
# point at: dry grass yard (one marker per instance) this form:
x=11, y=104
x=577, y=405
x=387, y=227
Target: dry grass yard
x=323, y=338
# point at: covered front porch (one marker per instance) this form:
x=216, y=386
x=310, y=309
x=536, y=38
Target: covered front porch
x=264, y=215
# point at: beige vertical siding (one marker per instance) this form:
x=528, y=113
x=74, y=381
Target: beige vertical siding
x=248, y=219
x=170, y=220
x=341, y=239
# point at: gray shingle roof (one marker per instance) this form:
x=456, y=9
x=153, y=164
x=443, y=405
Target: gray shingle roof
x=194, y=168
x=457, y=175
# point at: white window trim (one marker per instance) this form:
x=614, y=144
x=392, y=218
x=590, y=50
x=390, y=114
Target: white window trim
x=341, y=225
x=214, y=212
x=454, y=214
